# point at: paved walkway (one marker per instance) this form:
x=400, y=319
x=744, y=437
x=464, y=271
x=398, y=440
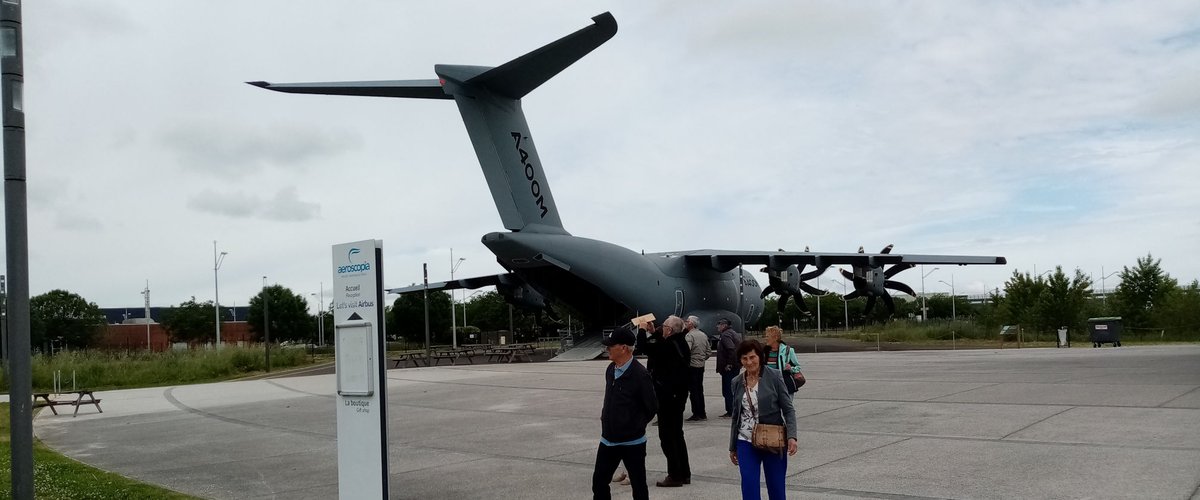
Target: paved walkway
x=1031, y=423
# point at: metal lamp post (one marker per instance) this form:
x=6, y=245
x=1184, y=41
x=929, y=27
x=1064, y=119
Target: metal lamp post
x=266, y=325
x=924, y=310
x=1104, y=289
x=465, y=299
x=217, y=260
x=146, y=292
x=453, y=314
x=320, y=298
x=845, y=303
x=815, y=335
x=314, y=296
x=953, y=312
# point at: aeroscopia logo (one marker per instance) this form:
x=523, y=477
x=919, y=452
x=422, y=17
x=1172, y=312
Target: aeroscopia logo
x=353, y=267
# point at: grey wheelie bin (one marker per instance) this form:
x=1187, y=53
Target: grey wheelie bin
x=1105, y=331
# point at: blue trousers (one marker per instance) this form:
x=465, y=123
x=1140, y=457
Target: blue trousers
x=750, y=461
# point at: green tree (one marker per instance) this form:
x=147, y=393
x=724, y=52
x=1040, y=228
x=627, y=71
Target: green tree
x=406, y=317
x=1143, y=288
x=1179, y=314
x=287, y=313
x=1063, y=301
x=62, y=316
x=489, y=312
x=1022, y=292
x=190, y=321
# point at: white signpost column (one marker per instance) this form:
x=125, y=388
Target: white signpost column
x=361, y=383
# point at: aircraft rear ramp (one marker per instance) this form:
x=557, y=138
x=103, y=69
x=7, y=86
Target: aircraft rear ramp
x=585, y=349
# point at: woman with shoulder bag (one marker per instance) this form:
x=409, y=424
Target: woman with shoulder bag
x=782, y=357
x=764, y=424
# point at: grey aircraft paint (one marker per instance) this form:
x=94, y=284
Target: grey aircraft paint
x=606, y=283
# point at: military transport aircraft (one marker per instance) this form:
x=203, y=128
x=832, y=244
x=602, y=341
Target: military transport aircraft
x=605, y=283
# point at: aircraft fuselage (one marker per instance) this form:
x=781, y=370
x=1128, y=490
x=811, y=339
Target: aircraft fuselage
x=610, y=284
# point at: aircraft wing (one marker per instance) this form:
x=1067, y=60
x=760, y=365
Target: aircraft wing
x=469, y=283
x=725, y=260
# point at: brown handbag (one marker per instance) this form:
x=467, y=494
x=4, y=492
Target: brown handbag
x=767, y=437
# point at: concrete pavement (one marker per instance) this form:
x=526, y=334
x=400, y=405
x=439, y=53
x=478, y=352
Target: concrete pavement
x=1032, y=423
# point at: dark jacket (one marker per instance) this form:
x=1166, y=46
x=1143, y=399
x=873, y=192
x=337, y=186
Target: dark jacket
x=774, y=404
x=668, y=361
x=727, y=351
x=629, y=403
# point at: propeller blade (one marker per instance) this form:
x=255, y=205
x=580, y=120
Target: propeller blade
x=812, y=289
x=870, y=305
x=897, y=268
x=886, y=250
x=852, y=295
x=847, y=274
x=782, y=304
x=891, y=305
x=765, y=293
x=899, y=287
x=813, y=274
x=802, y=306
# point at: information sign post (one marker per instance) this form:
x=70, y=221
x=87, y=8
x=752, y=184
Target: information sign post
x=359, y=361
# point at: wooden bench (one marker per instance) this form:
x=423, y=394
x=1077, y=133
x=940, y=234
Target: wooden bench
x=417, y=357
x=77, y=402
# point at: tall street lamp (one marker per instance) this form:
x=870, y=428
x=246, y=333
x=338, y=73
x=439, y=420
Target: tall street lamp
x=454, y=314
x=845, y=303
x=818, y=311
x=314, y=296
x=146, y=293
x=266, y=325
x=320, y=299
x=217, y=260
x=1103, y=289
x=953, y=313
x=924, y=310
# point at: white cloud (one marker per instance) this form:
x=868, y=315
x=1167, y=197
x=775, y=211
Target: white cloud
x=284, y=206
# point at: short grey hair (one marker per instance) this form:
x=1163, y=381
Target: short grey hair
x=674, y=322
x=694, y=320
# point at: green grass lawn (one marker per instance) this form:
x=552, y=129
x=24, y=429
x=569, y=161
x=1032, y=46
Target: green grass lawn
x=105, y=370
x=56, y=476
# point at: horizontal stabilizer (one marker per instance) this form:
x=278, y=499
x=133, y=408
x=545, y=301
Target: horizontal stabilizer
x=420, y=89
x=520, y=76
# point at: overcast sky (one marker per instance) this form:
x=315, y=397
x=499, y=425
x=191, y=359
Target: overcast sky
x=1051, y=133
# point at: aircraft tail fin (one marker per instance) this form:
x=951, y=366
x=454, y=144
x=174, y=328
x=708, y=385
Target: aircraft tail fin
x=489, y=99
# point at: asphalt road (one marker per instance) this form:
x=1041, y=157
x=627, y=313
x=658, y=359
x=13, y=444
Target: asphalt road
x=1030, y=423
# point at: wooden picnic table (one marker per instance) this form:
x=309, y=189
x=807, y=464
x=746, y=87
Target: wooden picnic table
x=475, y=349
x=417, y=357
x=511, y=352
x=451, y=354
x=77, y=402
